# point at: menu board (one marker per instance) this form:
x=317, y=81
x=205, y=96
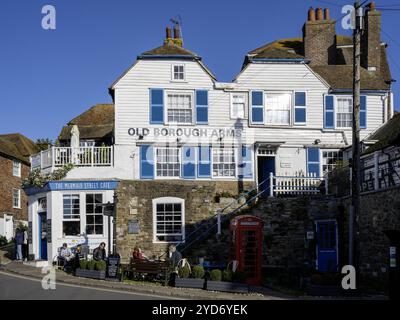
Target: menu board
x=112, y=266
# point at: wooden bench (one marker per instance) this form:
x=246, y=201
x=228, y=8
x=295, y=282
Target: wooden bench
x=151, y=270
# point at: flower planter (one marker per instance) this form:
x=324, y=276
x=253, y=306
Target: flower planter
x=93, y=274
x=227, y=286
x=189, y=283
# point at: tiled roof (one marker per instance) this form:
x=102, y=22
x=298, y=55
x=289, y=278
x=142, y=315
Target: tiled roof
x=387, y=135
x=338, y=76
x=170, y=49
x=17, y=146
x=95, y=123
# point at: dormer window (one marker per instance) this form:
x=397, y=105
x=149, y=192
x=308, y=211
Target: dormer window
x=178, y=72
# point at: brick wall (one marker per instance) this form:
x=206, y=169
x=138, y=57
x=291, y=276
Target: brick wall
x=135, y=202
x=7, y=183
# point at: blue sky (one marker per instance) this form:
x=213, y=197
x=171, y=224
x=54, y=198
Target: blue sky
x=47, y=77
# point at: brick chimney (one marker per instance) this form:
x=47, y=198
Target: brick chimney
x=319, y=37
x=176, y=39
x=371, y=39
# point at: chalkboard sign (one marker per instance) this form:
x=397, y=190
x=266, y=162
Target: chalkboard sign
x=113, y=266
x=48, y=230
x=133, y=226
x=30, y=232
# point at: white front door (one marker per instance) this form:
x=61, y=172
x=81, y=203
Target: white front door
x=8, y=227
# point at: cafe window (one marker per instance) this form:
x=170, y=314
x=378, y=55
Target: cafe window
x=16, y=168
x=71, y=215
x=168, y=217
x=94, y=214
x=168, y=162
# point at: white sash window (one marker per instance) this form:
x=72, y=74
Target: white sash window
x=278, y=106
x=224, y=162
x=179, y=108
x=168, y=162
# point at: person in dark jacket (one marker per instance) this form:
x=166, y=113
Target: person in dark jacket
x=19, y=241
x=100, y=252
x=174, y=256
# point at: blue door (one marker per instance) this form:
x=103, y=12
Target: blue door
x=42, y=235
x=327, y=253
x=266, y=165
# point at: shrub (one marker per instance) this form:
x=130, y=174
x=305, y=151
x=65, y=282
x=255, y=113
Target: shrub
x=91, y=265
x=216, y=275
x=227, y=275
x=198, y=272
x=3, y=241
x=101, y=265
x=83, y=264
x=184, y=272
x=239, y=276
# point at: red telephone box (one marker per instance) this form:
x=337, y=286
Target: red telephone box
x=246, y=246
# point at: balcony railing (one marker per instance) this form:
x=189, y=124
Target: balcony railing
x=296, y=185
x=56, y=157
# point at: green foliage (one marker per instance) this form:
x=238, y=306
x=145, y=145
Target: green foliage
x=239, y=276
x=216, y=275
x=101, y=265
x=43, y=144
x=3, y=241
x=38, y=179
x=184, y=272
x=227, y=275
x=91, y=265
x=83, y=264
x=198, y=272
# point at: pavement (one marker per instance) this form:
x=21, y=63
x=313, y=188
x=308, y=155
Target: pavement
x=19, y=273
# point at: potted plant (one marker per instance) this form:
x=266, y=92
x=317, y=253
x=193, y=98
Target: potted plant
x=222, y=281
x=91, y=269
x=193, y=279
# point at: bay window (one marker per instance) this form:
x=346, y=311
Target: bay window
x=224, y=162
x=180, y=107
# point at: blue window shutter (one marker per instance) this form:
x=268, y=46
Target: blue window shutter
x=146, y=162
x=156, y=106
x=329, y=114
x=204, y=162
x=363, y=112
x=202, y=106
x=257, y=107
x=188, y=163
x=313, y=161
x=246, y=165
x=300, y=108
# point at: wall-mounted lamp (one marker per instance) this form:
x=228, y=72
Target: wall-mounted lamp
x=317, y=141
x=141, y=137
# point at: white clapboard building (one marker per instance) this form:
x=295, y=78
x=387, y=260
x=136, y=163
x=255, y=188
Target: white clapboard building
x=288, y=113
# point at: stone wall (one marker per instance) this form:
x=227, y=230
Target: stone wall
x=135, y=202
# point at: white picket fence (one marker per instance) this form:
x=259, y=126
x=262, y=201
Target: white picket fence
x=295, y=185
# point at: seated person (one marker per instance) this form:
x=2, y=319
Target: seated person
x=100, y=252
x=138, y=254
x=65, y=253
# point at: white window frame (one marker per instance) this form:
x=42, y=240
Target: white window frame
x=291, y=109
x=85, y=143
x=18, y=206
x=94, y=214
x=173, y=72
x=184, y=92
x=156, y=162
x=82, y=204
x=168, y=200
x=235, y=150
x=337, y=97
x=245, y=96
x=322, y=158
x=17, y=168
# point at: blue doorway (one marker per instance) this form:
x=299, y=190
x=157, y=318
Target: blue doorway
x=266, y=165
x=42, y=231
x=327, y=243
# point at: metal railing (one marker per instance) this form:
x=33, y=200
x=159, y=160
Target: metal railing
x=80, y=157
